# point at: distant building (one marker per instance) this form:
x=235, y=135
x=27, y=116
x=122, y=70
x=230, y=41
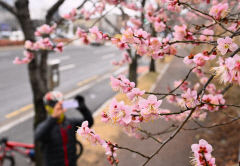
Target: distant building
x=8, y=22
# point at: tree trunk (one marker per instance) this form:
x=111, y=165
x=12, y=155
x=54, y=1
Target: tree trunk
x=37, y=71
x=152, y=62
x=133, y=69
x=152, y=65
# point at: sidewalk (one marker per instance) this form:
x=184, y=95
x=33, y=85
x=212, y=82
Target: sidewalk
x=175, y=153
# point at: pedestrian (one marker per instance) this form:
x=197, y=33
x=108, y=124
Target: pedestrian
x=57, y=133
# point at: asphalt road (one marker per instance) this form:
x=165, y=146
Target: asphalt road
x=83, y=70
x=78, y=65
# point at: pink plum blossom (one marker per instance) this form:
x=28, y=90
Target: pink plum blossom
x=219, y=10
x=180, y=32
x=233, y=27
x=229, y=70
x=109, y=149
x=140, y=33
x=150, y=107
x=199, y=59
x=28, y=56
x=184, y=85
x=82, y=35
x=202, y=154
x=225, y=45
x=127, y=36
x=206, y=35
x=190, y=98
x=159, y=26
x=29, y=45
x=119, y=112
x=71, y=15
x=135, y=93
x=126, y=59
x=213, y=101
x=89, y=134
x=97, y=34
x=59, y=47
x=45, y=30
x=121, y=83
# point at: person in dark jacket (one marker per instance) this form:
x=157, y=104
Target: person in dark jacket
x=57, y=133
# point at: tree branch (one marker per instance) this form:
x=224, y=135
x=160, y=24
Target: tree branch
x=213, y=126
x=171, y=137
x=53, y=10
x=8, y=8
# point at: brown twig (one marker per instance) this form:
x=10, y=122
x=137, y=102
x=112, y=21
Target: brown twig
x=170, y=138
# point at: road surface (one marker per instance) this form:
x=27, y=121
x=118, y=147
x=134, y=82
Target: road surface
x=83, y=70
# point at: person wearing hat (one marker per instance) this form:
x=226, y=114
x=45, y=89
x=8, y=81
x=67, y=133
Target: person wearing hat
x=57, y=133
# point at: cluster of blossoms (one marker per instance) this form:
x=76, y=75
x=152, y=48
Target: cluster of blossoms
x=90, y=135
x=129, y=116
x=219, y=11
x=114, y=2
x=134, y=23
x=71, y=15
x=95, y=34
x=213, y=101
x=189, y=99
x=199, y=59
x=158, y=20
x=148, y=109
x=43, y=43
x=182, y=33
x=82, y=35
x=143, y=43
x=45, y=30
x=206, y=35
x=121, y=83
x=98, y=9
x=229, y=69
x=28, y=56
x=118, y=113
x=202, y=154
x=126, y=59
x=172, y=5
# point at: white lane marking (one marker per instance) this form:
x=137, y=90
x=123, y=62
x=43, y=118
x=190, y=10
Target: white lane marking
x=16, y=122
x=67, y=67
x=91, y=84
x=120, y=71
x=108, y=56
x=105, y=51
x=61, y=58
x=92, y=96
x=66, y=57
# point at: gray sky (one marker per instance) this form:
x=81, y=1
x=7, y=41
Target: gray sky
x=38, y=8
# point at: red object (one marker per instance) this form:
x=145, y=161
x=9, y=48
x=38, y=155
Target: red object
x=65, y=142
x=12, y=144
